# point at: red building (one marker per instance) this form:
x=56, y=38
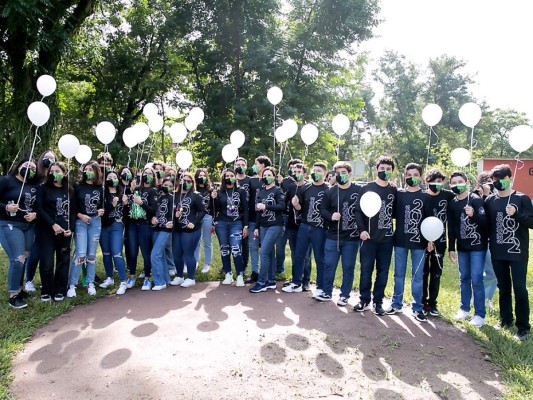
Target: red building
x=523, y=180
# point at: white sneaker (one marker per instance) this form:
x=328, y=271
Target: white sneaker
x=461, y=315
x=240, y=281
x=122, y=288
x=91, y=290
x=177, y=281
x=172, y=272
x=188, y=283
x=159, y=287
x=477, y=321
x=29, y=287
x=147, y=285
x=108, y=282
x=317, y=293
x=141, y=275
x=205, y=269
x=228, y=280
x=130, y=283
x=489, y=306
x=292, y=288
x=71, y=291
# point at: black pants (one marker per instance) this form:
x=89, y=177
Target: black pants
x=431, y=278
x=511, y=276
x=53, y=246
x=245, y=251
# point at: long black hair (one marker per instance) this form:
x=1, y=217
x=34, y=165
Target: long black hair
x=15, y=170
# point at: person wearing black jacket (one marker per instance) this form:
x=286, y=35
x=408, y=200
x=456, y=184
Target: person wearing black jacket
x=17, y=197
x=203, y=185
x=88, y=199
x=438, y=200
x=162, y=223
x=231, y=209
x=190, y=211
x=112, y=236
x=510, y=216
x=54, y=232
x=243, y=180
x=270, y=204
x=342, y=237
x=467, y=232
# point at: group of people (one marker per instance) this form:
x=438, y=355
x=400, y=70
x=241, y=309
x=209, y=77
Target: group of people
x=166, y=213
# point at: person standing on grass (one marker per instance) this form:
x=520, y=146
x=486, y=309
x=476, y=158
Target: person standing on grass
x=510, y=215
x=376, y=238
x=170, y=173
x=467, y=231
x=311, y=234
x=270, y=204
x=342, y=236
x=88, y=199
x=204, y=188
x=243, y=180
x=231, y=209
x=438, y=200
x=17, y=231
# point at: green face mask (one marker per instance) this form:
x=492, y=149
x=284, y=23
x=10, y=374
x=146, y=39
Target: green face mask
x=267, y=180
x=255, y=169
x=298, y=177
x=89, y=175
x=458, y=189
x=57, y=177
x=502, y=184
x=316, y=177
x=342, y=179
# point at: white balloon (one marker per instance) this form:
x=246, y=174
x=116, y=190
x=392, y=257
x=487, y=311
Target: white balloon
x=340, y=124
x=105, y=132
x=370, y=203
x=84, y=154
x=149, y=110
x=291, y=127
x=38, y=113
x=129, y=137
x=281, y=134
x=190, y=123
x=274, y=95
x=309, y=134
x=46, y=85
x=184, y=159
x=230, y=152
x=470, y=114
x=432, y=114
x=178, y=132
x=521, y=138
x=197, y=115
x=461, y=157
x=142, y=132
x=156, y=123
x=68, y=145
x=432, y=228
x=237, y=138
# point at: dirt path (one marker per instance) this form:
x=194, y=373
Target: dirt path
x=217, y=342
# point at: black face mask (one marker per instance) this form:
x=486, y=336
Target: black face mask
x=458, y=189
x=384, y=175
x=435, y=187
x=126, y=177
x=342, y=179
x=148, y=178
x=292, y=174
x=491, y=187
x=27, y=173
x=412, y=181
x=186, y=186
x=160, y=174
x=201, y=180
x=239, y=170
x=111, y=182
x=316, y=177
x=268, y=180
x=229, y=181
x=47, y=162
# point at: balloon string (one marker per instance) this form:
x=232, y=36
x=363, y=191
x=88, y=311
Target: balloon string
x=274, y=138
x=29, y=159
x=129, y=157
x=517, y=161
x=471, y=148
x=339, y=221
x=429, y=147
x=338, y=148
x=68, y=194
x=20, y=150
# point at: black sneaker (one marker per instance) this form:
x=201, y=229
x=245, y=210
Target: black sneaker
x=522, y=334
x=306, y=287
x=45, y=298
x=271, y=285
x=59, y=297
x=17, y=302
x=434, y=312
x=322, y=297
x=378, y=310
x=360, y=307
x=392, y=310
x=420, y=316
x=253, y=278
x=25, y=295
x=258, y=288
x=502, y=325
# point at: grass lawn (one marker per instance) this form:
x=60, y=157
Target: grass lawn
x=513, y=358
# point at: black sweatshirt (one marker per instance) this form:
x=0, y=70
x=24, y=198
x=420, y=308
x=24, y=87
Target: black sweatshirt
x=272, y=215
x=113, y=214
x=88, y=199
x=149, y=198
x=311, y=203
x=244, y=184
x=411, y=209
x=381, y=227
x=439, y=208
x=343, y=201
x=255, y=186
x=469, y=232
x=53, y=207
x=10, y=188
x=509, y=236
x=192, y=211
x=295, y=217
x=163, y=212
x=207, y=200
x=232, y=205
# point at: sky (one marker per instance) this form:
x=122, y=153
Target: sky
x=493, y=37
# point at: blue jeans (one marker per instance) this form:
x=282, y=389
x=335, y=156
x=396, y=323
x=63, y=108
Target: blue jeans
x=308, y=237
x=229, y=236
x=281, y=244
x=348, y=253
x=471, y=264
x=17, y=239
x=169, y=255
x=379, y=254
x=489, y=278
x=254, y=247
x=269, y=236
x=183, y=245
x=87, y=236
x=207, y=223
x=417, y=276
x=111, y=242
x=158, y=258
x=139, y=235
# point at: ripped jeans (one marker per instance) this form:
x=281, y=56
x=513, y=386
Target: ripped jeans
x=17, y=239
x=87, y=236
x=230, y=236
x=112, y=242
